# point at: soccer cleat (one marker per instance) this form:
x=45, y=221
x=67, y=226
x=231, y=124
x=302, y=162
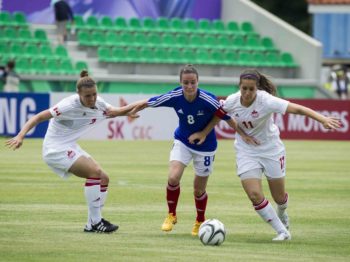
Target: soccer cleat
x=195, y=228
x=104, y=226
x=283, y=236
x=169, y=222
x=284, y=219
x=88, y=229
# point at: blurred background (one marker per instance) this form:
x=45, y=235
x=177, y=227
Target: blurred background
x=135, y=48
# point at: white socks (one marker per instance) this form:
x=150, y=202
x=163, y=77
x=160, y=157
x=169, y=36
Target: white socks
x=269, y=215
x=93, y=199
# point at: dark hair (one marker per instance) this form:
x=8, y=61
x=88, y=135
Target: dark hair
x=11, y=64
x=188, y=69
x=262, y=81
x=85, y=81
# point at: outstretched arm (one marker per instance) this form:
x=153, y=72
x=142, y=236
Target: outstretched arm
x=17, y=141
x=129, y=110
x=327, y=122
x=199, y=137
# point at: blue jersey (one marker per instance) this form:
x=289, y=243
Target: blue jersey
x=193, y=116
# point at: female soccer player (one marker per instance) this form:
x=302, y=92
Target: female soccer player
x=195, y=108
x=70, y=119
x=252, y=107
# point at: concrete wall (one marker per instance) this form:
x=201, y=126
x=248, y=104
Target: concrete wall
x=306, y=51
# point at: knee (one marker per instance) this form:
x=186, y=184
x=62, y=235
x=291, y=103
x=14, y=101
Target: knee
x=255, y=197
x=104, y=179
x=97, y=173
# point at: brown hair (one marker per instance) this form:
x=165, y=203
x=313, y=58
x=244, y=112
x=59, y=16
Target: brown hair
x=188, y=69
x=85, y=81
x=11, y=64
x=262, y=81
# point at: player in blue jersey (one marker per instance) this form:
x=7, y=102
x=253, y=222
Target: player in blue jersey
x=195, y=108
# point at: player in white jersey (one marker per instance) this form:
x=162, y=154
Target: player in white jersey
x=195, y=108
x=252, y=107
x=70, y=119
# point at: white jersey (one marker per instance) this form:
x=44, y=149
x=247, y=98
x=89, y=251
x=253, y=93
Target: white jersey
x=71, y=120
x=257, y=121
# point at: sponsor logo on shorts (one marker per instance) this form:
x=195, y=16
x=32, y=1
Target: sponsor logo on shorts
x=70, y=154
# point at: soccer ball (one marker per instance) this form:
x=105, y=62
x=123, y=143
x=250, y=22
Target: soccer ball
x=212, y=232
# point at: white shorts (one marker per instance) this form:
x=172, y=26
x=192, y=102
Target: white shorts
x=253, y=167
x=203, y=162
x=60, y=161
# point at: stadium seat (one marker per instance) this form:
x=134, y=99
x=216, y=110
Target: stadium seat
x=146, y=55
x=80, y=65
x=287, y=60
x=190, y=26
x=32, y=50
x=19, y=19
x=196, y=41
x=210, y=42
x=160, y=55
x=272, y=59
x=248, y=28
x=267, y=43
x=61, y=53
x=153, y=39
x=40, y=36
x=162, y=24
x=149, y=24
x=66, y=68
x=120, y=24
x=232, y=28
x=45, y=52
x=83, y=38
x=132, y=55
x=5, y=18
x=204, y=26
x=106, y=23
x=118, y=55
x=176, y=25
x=217, y=57
x=168, y=40
x=230, y=58
x=97, y=38
x=79, y=22
x=253, y=43
x=181, y=40
x=92, y=23
x=245, y=58
x=188, y=56
x=9, y=35
x=135, y=24
x=202, y=57
x=112, y=38
x=25, y=36
x=218, y=27
x=16, y=50
x=174, y=56
x=126, y=39
x=224, y=42
x=104, y=54
x=23, y=65
x=238, y=42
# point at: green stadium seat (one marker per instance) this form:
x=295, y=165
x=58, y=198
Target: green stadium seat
x=92, y=23
x=174, y=56
x=149, y=24
x=135, y=24
x=181, y=40
x=196, y=41
x=188, y=56
x=9, y=35
x=248, y=28
x=245, y=58
x=154, y=39
x=132, y=55
x=53, y=67
x=120, y=24
x=106, y=23
x=160, y=55
x=140, y=39
x=224, y=42
x=253, y=43
x=238, y=42
x=272, y=59
x=66, y=68
x=118, y=54
x=83, y=38
x=19, y=19
x=218, y=27
x=61, y=53
x=202, y=57
x=5, y=18
x=16, y=50
x=190, y=26
x=217, y=57
x=37, y=66
x=168, y=40
x=268, y=44
x=210, y=42
x=204, y=26
x=97, y=38
x=79, y=22
x=40, y=36
x=230, y=58
x=23, y=65
x=80, y=65
x=24, y=35
x=233, y=28
x=163, y=24
x=104, y=54
x=126, y=39
x=46, y=52
x=287, y=60
x=176, y=25
x=146, y=55
x=259, y=59
x=32, y=50
x=112, y=38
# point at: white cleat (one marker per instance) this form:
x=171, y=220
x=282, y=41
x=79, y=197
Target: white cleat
x=283, y=236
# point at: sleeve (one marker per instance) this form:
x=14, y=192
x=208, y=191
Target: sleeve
x=276, y=104
x=228, y=104
x=60, y=109
x=103, y=104
x=166, y=100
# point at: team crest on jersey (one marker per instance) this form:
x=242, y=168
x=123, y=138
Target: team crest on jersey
x=236, y=115
x=255, y=114
x=70, y=154
x=200, y=113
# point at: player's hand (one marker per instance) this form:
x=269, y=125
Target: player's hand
x=133, y=115
x=14, y=143
x=197, y=138
x=332, y=123
x=250, y=140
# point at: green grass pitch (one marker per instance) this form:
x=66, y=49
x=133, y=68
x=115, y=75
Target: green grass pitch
x=42, y=216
